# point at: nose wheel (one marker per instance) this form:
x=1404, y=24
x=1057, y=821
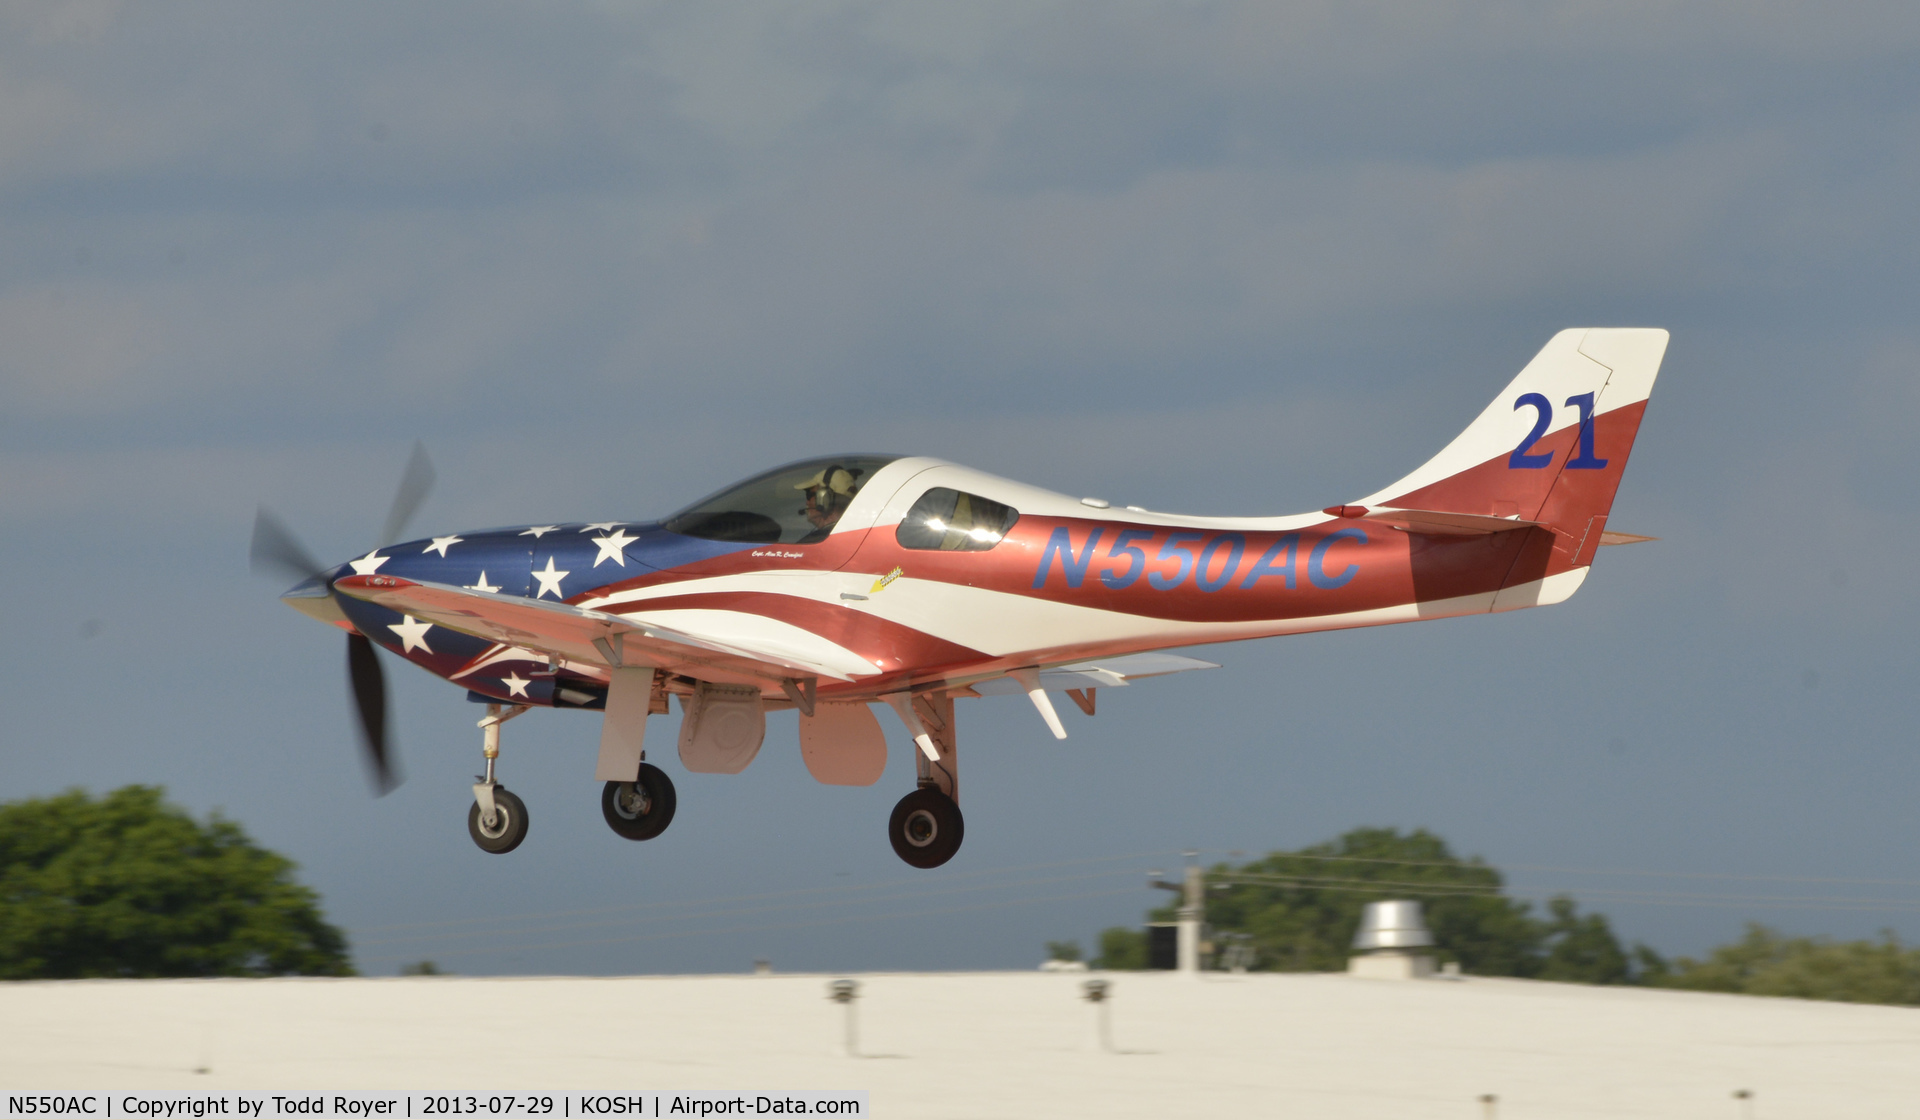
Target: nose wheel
x=500, y=831
x=641, y=809
x=497, y=819
x=926, y=828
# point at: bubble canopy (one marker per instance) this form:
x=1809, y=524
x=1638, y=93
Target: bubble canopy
x=795, y=504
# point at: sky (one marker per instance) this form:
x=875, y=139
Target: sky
x=1222, y=258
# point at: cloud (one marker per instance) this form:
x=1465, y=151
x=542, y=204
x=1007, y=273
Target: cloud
x=1025, y=233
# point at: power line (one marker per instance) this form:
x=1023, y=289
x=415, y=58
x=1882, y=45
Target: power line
x=798, y=892
x=1376, y=886
x=970, y=888
x=759, y=926
x=500, y=919
x=1476, y=864
x=813, y=898
x=1237, y=878
x=1329, y=884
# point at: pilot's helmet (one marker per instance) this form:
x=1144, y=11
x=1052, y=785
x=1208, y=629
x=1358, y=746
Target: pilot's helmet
x=826, y=485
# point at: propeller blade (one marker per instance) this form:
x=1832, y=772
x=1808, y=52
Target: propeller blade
x=414, y=485
x=274, y=549
x=370, y=700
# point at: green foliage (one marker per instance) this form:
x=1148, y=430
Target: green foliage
x=1063, y=950
x=1299, y=912
x=422, y=968
x=127, y=885
x=1649, y=967
x=1121, y=949
x=1765, y=963
x=1583, y=950
x=1302, y=908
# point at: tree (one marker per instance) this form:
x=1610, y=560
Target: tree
x=1063, y=950
x=1765, y=963
x=1298, y=912
x=1302, y=908
x=128, y=885
x=1584, y=950
x=1121, y=949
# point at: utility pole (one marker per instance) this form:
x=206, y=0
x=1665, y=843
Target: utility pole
x=1193, y=910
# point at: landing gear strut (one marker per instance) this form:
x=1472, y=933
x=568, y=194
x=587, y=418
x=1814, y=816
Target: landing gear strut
x=497, y=820
x=926, y=826
x=641, y=809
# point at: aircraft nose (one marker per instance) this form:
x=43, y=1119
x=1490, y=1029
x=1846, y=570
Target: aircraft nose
x=313, y=587
x=313, y=597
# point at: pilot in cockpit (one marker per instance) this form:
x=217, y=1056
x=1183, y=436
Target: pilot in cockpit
x=829, y=493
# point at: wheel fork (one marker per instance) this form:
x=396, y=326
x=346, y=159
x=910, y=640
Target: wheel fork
x=490, y=748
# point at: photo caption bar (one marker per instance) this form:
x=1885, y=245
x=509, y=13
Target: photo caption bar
x=428, y=1106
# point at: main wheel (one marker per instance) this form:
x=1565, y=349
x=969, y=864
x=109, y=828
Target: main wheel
x=507, y=828
x=926, y=828
x=641, y=809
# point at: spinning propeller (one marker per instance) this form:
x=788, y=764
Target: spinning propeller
x=275, y=550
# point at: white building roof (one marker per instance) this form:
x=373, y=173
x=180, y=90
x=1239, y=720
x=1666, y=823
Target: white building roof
x=993, y=1045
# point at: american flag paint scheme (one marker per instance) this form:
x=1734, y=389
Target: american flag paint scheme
x=838, y=583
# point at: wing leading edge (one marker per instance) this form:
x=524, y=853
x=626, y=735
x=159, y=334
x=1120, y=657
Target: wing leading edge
x=580, y=634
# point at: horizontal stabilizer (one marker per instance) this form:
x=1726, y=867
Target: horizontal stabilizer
x=1611, y=537
x=1106, y=672
x=1445, y=524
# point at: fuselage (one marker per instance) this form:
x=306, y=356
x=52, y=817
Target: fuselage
x=1066, y=580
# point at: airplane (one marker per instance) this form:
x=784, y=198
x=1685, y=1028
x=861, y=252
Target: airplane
x=837, y=584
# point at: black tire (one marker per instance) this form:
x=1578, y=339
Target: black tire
x=509, y=826
x=926, y=828
x=641, y=809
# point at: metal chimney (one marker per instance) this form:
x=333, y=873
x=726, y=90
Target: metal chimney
x=1392, y=925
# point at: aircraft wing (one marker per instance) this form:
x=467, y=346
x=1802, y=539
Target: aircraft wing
x=577, y=633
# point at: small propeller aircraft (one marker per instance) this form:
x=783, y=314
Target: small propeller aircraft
x=835, y=584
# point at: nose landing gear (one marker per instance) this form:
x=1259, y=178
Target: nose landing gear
x=497, y=819
x=501, y=829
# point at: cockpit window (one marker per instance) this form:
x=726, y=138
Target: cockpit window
x=796, y=504
x=951, y=521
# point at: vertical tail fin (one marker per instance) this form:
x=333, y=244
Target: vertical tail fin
x=1552, y=446
x=1549, y=452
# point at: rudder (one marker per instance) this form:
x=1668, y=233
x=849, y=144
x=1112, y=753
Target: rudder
x=1547, y=454
x=1552, y=446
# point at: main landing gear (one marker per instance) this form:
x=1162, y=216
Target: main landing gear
x=926, y=826
x=641, y=809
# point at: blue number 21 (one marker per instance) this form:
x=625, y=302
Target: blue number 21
x=1543, y=416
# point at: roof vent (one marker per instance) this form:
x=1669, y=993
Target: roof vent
x=1392, y=925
